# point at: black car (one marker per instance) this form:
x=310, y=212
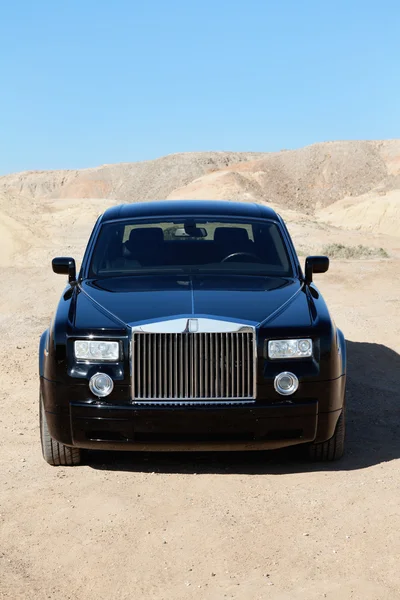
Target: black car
x=191, y=325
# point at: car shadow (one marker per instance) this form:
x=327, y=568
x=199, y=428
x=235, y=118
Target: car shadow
x=372, y=436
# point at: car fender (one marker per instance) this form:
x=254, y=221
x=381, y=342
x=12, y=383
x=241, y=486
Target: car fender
x=342, y=350
x=43, y=350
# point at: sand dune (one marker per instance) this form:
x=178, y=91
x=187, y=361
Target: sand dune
x=369, y=212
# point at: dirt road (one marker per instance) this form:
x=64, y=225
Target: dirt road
x=211, y=526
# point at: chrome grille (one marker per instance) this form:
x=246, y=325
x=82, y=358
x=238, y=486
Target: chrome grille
x=194, y=366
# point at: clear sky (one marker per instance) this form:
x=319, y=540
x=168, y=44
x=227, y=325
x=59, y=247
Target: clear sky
x=87, y=82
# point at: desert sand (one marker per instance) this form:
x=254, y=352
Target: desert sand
x=247, y=526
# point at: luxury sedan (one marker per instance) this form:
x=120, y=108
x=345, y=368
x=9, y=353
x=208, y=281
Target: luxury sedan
x=191, y=326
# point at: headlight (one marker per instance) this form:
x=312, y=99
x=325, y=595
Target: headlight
x=290, y=348
x=90, y=350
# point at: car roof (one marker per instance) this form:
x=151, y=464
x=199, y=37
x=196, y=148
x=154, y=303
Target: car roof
x=172, y=208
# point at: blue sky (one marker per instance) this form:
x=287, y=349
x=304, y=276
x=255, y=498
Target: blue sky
x=88, y=82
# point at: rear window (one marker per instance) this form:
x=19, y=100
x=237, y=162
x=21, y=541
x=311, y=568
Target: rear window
x=189, y=245
x=176, y=231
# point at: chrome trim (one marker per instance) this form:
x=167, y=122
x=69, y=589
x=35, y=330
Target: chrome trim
x=182, y=324
x=218, y=403
x=96, y=393
x=292, y=389
x=173, y=364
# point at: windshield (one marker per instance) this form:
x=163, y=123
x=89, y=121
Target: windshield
x=201, y=245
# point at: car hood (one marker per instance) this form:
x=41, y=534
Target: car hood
x=140, y=299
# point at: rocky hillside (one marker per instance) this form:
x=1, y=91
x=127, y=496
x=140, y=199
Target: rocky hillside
x=353, y=184
x=125, y=181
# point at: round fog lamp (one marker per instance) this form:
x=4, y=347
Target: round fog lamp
x=101, y=385
x=286, y=383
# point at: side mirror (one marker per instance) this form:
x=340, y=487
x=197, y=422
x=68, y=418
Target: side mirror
x=64, y=265
x=315, y=264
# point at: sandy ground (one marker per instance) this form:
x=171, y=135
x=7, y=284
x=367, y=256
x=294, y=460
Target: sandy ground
x=210, y=526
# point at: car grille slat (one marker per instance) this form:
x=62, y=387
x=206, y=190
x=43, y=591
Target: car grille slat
x=248, y=360
x=243, y=363
x=237, y=367
x=196, y=365
x=193, y=366
x=201, y=365
x=174, y=374
x=154, y=366
x=232, y=366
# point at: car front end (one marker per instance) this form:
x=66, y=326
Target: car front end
x=192, y=361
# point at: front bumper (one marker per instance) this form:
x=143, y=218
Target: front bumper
x=192, y=428
x=262, y=425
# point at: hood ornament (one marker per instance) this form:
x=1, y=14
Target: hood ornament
x=192, y=326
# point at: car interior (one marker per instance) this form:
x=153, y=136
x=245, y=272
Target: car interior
x=152, y=246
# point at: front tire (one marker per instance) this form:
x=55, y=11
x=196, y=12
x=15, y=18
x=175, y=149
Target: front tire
x=332, y=449
x=55, y=453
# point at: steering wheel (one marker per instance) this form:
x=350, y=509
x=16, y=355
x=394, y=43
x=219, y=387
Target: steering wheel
x=235, y=254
